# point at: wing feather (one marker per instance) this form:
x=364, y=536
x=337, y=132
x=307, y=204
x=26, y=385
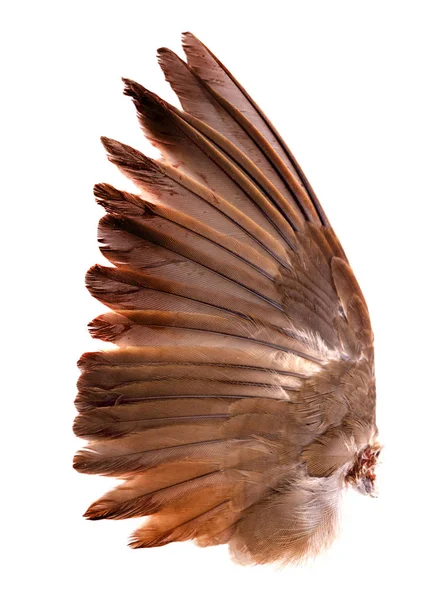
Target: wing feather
x=219, y=79
x=240, y=387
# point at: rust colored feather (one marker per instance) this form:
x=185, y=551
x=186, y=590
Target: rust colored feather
x=239, y=399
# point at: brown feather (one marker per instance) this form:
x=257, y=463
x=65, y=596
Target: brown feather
x=239, y=399
x=214, y=73
x=203, y=102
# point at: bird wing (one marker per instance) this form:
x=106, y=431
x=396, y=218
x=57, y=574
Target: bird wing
x=241, y=377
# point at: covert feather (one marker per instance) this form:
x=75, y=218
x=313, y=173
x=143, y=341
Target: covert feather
x=239, y=400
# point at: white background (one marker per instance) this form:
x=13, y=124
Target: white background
x=341, y=81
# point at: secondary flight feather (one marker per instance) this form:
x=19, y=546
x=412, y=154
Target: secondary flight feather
x=239, y=400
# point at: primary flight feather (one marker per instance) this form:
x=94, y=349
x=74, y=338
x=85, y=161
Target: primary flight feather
x=239, y=400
